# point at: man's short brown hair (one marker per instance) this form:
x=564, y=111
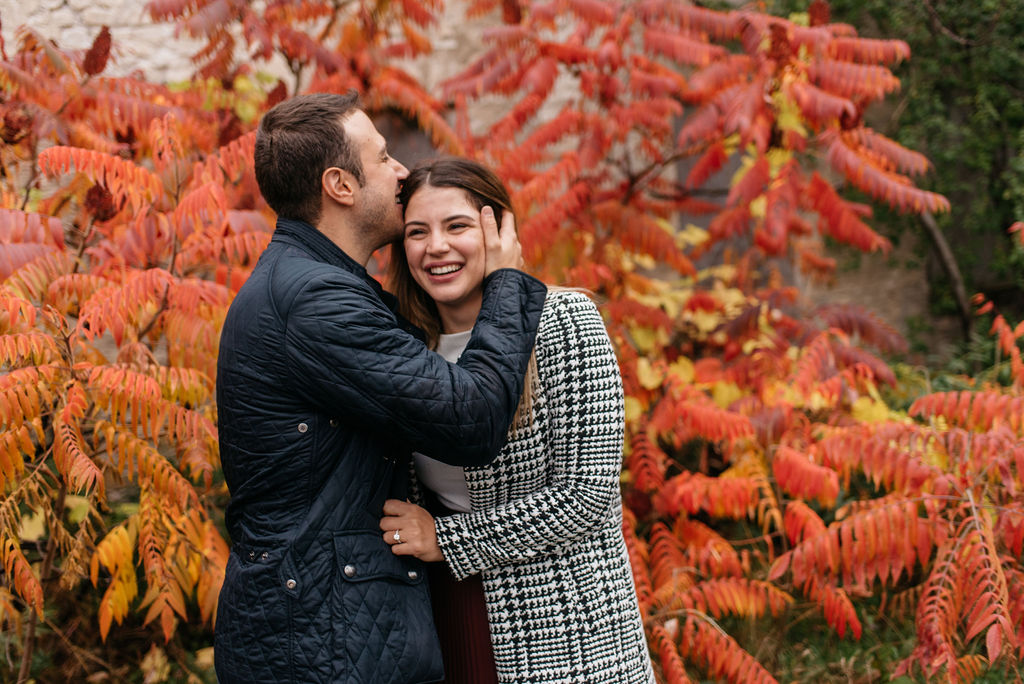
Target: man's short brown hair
x=297, y=140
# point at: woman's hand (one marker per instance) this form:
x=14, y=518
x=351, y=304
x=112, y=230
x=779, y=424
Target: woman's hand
x=502, y=248
x=409, y=530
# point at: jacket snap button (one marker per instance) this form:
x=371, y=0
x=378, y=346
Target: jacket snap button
x=252, y=555
x=303, y=427
x=350, y=571
x=291, y=584
x=264, y=555
x=333, y=422
x=413, y=574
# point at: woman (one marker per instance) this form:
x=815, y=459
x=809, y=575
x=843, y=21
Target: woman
x=534, y=562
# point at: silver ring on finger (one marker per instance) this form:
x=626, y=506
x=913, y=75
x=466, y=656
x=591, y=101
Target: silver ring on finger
x=397, y=536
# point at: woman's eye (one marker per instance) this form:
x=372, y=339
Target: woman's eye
x=414, y=233
x=457, y=226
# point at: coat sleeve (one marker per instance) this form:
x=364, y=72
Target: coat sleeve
x=586, y=452
x=346, y=349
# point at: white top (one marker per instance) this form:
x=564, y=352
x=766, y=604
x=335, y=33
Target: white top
x=448, y=482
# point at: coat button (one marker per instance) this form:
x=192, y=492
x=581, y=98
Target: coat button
x=413, y=575
x=264, y=555
x=350, y=571
x=333, y=422
x=291, y=584
x=252, y=555
x=303, y=427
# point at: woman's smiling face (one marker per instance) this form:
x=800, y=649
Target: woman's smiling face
x=444, y=245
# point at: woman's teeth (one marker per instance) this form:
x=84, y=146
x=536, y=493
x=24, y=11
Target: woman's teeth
x=444, y=270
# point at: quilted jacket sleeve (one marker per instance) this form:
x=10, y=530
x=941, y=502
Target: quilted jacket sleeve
x=585, y=389
x=346, y=348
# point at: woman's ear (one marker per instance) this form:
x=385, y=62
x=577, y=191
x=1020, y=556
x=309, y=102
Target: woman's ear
x=339, y=185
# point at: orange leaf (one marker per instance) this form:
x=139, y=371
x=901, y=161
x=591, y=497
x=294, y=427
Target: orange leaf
x=710, y=162
x=750, y=184
x=121, y=177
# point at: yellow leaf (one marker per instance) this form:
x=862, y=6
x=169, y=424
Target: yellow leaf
x=246, y=110
x=935, y=455
x=649, y=376
x=732, y=299
x=667, y=300
x=244, y=85
x=33, y=526
x=77, y=508
x=800, y=18
x=204, y=658
x=725, y=393
x=706, y=321
x=789, y=118
x=868, y=410
x=760, y=342
x=732, y=143
x=758, y=206
x=817, y=402
x=778, y=157
x=726, y=272
x=746, y=162
x=126, y=509
x=645, y=338
x=645, y=261
x=691, y=236
x=683, y=369
x=665, y=225
x=634, y=409
x=790, y=395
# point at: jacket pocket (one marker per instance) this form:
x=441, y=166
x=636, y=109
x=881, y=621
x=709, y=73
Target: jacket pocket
x=382, y=607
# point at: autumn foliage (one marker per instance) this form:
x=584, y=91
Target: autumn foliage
x=675, y=160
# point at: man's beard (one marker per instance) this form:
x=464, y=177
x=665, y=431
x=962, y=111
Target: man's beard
x=383, y=222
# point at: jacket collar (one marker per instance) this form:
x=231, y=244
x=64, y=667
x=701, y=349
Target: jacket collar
x=305, y=236
x=302, y=234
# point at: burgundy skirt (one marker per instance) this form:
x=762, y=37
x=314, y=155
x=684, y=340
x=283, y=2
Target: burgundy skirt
x=460, y=615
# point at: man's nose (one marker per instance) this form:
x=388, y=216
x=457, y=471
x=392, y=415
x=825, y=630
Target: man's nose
x=400, y=169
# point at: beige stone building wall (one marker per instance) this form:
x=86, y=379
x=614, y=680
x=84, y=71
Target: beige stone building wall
x=139, y=43
x=163, y=56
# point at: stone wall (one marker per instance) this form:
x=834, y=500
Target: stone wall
x=164, y=56
x=139, y=44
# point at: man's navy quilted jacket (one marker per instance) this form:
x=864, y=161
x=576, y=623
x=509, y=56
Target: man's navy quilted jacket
x=321, y=396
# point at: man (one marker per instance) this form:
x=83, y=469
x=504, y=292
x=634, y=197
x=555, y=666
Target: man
x=323, y=392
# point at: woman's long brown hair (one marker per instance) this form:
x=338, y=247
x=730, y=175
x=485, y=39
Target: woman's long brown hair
x=482, y=188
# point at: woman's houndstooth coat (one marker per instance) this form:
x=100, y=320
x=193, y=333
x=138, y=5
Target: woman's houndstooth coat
x=545, y=529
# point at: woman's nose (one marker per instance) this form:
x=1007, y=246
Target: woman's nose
x=437, y=242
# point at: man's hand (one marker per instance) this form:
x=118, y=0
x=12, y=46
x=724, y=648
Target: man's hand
x=502, y=247
x=409, y=530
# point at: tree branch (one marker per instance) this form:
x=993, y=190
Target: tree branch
x=952, y=270
x=939, y=26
